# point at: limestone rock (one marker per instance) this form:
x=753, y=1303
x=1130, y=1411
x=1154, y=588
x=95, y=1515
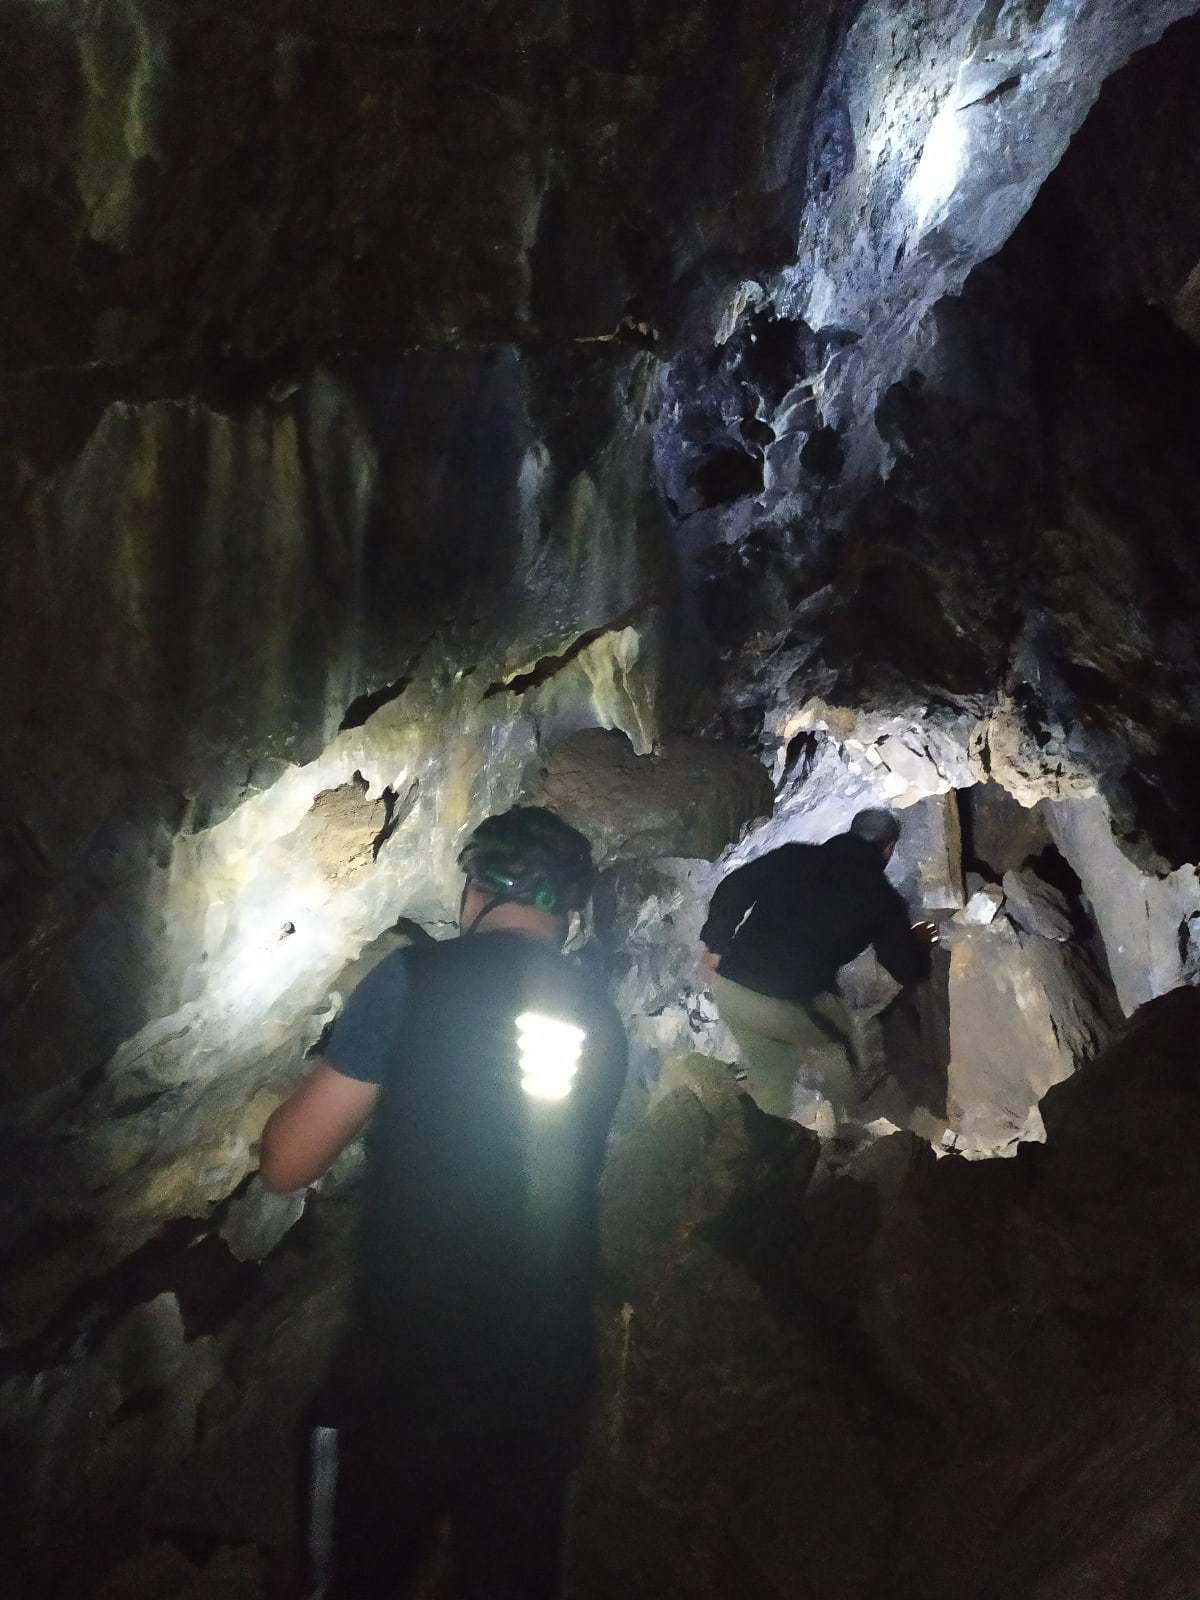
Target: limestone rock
x=1077, y=1377
x=927, y=866
x=981, y=908
x=83, y=1434
x=1025, y=1012
x=691, y=798
x=711, y=1431
x=644, y=463
x=257, y=1220
x=273, y=1361
x=339, y=832
x=490, y=234
x=1042, y=1392
x=1139, y=912
x=1036, y=906
x=1003, y=833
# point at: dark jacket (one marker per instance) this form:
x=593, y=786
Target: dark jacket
x=784, y=923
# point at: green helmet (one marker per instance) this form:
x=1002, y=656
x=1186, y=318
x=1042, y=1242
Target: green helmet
x=531, y=857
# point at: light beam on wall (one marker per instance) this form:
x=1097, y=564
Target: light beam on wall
x=941, y=165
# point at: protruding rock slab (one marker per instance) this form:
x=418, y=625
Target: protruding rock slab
x=1141, y=915
x=1037, y=906
x=928, y=867
x=690, y=798
x=1025, y=1012
x=1046, y=1310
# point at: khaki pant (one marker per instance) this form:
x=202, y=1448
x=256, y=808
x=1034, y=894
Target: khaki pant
x=787, y=1045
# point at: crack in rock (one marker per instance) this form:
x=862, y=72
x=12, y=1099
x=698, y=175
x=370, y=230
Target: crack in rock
x=549, y=666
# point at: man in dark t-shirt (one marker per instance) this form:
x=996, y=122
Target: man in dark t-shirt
x=778, y=930
x=489, y=1068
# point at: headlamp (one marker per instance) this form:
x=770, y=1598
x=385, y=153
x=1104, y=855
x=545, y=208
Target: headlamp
x=549, y=1052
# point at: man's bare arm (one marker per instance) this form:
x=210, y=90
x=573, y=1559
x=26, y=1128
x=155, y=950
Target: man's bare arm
x=312, y=1126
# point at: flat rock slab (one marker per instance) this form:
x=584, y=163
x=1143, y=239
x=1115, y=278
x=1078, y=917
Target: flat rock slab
x=1037, y=906
x=1025, y=1012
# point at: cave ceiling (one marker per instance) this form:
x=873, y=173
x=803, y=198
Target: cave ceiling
x=404, y=290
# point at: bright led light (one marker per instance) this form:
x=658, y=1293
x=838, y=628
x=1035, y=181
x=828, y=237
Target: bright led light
x=549, y=1055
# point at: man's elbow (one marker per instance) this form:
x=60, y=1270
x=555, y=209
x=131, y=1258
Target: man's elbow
x=281, y=1169
x=279, y=1179
x=279, y=1176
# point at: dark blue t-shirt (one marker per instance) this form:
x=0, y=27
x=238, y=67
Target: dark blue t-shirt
x=363, y=1039
x=478, y=1239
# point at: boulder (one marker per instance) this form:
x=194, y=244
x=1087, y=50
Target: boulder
x=1045, y=1310
x=722, y=1447
x=997, y=1358
x=1036, y=906
x=691, y=797
x=1025, y=1012
x=1140, y=914
x=981, y=908
x=1003, y=833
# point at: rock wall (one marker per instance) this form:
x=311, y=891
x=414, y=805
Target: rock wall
x=928, y=1378
x=1001, y=534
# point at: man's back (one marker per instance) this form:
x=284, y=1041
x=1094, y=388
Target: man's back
x=479, y=1226
x=786, y=922
x=488, y=1069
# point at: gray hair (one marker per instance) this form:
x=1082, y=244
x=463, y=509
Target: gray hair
x=876, y=827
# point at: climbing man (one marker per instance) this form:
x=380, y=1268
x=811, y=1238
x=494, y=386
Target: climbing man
x=489, y=1067
x=778, y=930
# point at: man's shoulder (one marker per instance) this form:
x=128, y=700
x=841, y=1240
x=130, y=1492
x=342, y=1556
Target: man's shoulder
x=792, y=859
x=793, y=854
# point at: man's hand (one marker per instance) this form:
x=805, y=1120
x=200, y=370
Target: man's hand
x=709, y=964
x=926, y=933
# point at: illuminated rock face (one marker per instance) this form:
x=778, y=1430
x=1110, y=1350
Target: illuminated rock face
x=651, y=410
x=1025, y=1013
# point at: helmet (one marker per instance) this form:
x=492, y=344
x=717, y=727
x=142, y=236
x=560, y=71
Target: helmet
x=531, y=857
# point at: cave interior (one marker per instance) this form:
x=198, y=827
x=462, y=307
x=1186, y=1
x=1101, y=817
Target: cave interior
x=707, y=420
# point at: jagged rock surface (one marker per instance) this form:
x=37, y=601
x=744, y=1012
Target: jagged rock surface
x=714, y=1430
x=1036, y=906
x=1025, y=1012
x=1001, y=1355
x=691, y=797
